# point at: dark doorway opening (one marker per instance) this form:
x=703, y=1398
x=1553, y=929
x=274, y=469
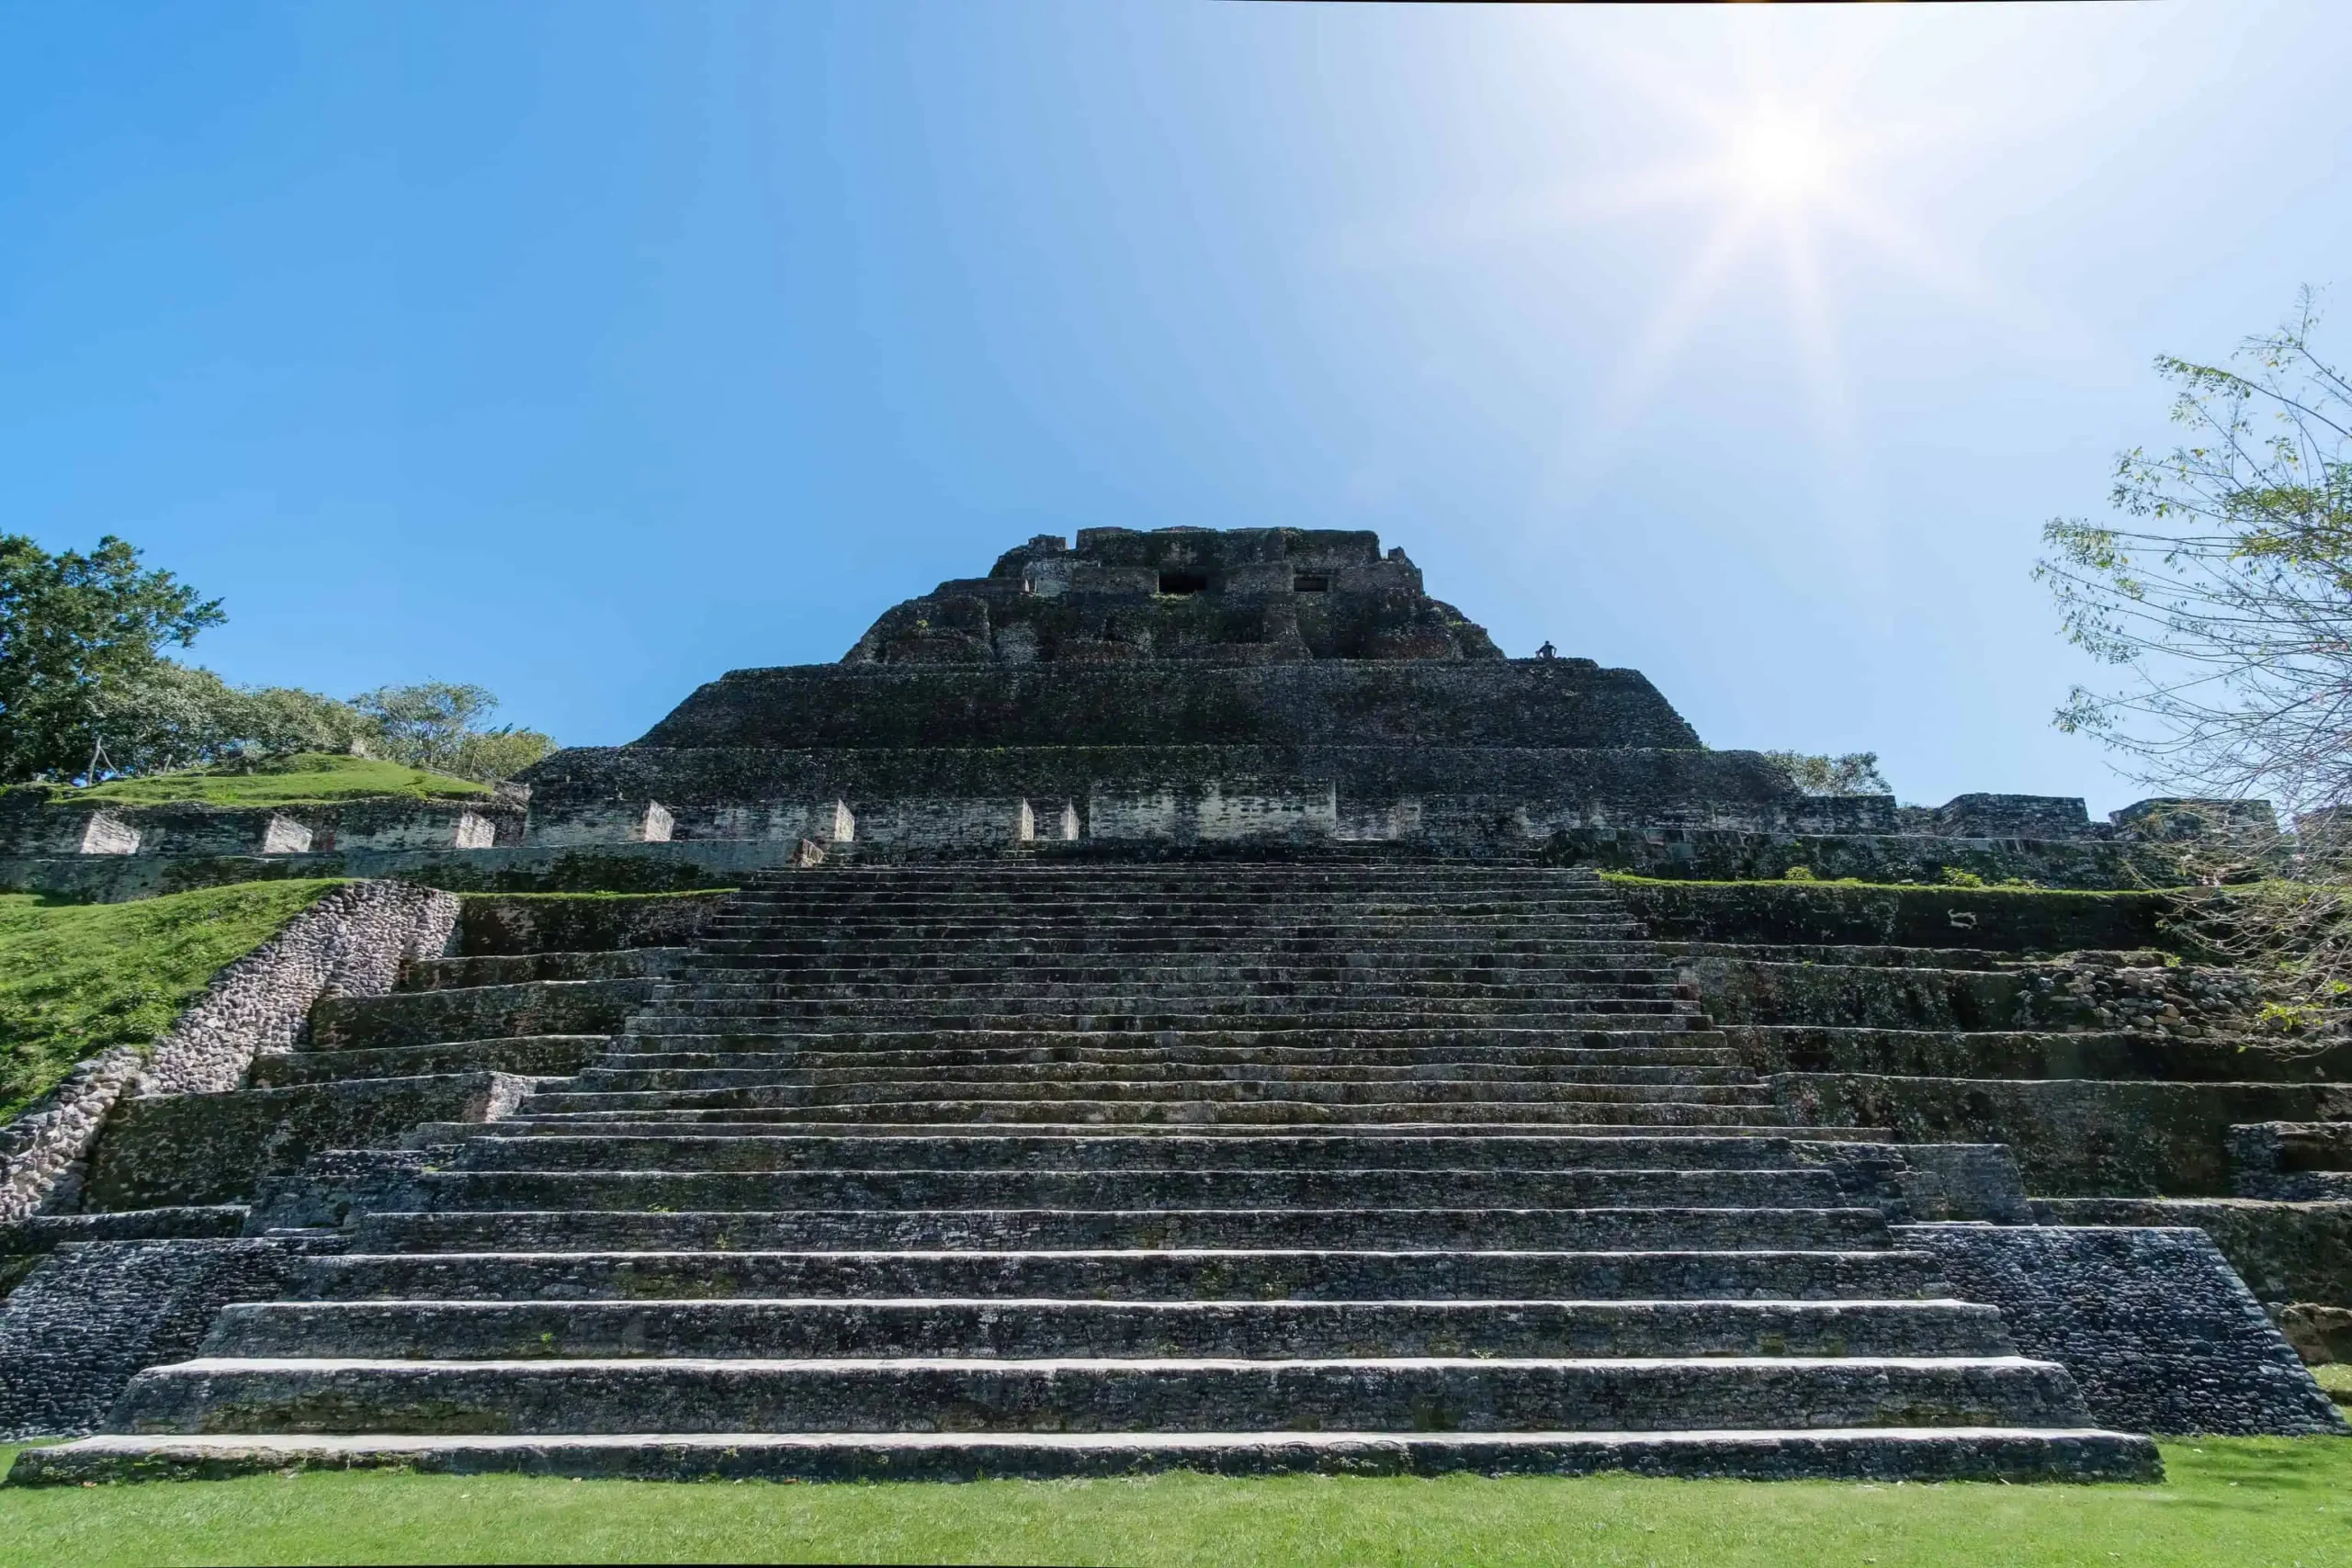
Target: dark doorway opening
x=1181, y=582
x=1310, y=582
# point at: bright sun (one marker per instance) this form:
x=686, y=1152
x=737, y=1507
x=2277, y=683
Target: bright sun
x=1781, y=162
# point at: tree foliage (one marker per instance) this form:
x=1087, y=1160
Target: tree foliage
x=439, y=725
x=1855, y=773
x=2223, y=595
x=81, y=636
x=87, y=690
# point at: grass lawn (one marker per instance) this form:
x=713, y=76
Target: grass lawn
x=2232, y=1502
x=76, y=979
x=309, y=778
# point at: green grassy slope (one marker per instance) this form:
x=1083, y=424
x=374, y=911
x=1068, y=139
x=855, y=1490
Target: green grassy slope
x=2244, y=1503
x=309, y=778
x=76, y=979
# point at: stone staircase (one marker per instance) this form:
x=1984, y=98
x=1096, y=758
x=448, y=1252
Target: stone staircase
x=1069, y=1169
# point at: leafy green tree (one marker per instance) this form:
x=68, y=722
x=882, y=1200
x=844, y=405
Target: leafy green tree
x=439, y=725
x=78, y=635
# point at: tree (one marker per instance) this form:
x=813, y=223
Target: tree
x=2222, y=596
x=438, y=725
x=78, y=635
x=1855, y=773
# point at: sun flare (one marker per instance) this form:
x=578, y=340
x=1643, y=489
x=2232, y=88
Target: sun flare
x=1781, y=162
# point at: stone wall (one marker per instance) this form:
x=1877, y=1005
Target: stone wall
x=2285, y=1252
x=1986, y=919
x=2159, y=1333
x=183, y=1149
x=94, y=1314
x=2191, y=1002
x=354, y=939
x=2073, y=1137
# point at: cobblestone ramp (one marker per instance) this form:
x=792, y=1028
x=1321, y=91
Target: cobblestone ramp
x=1085, y=1171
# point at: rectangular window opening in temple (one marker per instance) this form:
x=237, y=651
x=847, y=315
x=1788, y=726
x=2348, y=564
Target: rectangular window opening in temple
x=1181, y=582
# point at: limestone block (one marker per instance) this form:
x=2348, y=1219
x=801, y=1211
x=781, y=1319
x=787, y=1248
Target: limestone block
x=474, y=832
x=840, y=827
x=284, y=836
x=106, y=834
x=656, y=826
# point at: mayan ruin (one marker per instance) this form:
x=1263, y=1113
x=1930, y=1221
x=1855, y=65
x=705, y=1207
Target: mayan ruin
x=1181, y=999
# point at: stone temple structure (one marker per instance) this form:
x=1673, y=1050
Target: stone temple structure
x=1169, y=1015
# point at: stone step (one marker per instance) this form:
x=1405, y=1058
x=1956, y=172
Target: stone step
x=920, y=996
x=647, y=1054
x=1339, y=1188
x=1256, y=1101
x=1066, y=1394
x=710, y=1123
x=968, y=1151
x=1045, y=1045
x=1195, y=1275
x=1164, y=946
x=1878, y=1454
x=1054, y=968
x=851, y=1018
x=624, y=1073
x=1193, y=1112
x=1047, y=1330
x=530, y=1055
x=1570, y=1012
x=1201, y=1087
x=616, y=964
x=866, y=1230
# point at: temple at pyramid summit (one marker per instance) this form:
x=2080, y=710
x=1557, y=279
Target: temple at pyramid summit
x=1183, y=1000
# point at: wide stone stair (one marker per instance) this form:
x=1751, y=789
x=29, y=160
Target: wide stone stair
x=1070, y=1169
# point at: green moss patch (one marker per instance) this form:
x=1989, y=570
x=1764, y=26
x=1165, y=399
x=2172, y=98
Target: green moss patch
x=77, y=979
x=309, y=778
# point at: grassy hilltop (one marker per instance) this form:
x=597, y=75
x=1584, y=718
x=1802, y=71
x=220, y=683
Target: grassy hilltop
x=78, y=979
x=307, y=778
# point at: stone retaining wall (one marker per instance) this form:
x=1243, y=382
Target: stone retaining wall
x=95, y=1314
x=2073, y=1137
x=353, y=940
x=2000, y=919
x=2156, y=1328
x=216, y=1148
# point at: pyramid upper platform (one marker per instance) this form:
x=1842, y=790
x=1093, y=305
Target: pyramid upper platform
x=1181, y=636
x=1241, y=596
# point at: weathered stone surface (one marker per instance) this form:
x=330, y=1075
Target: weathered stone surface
x=2073, y=1137
x=1994, y=919
x=354, y=939
x=95, y=1313
x=215, y=1148
x=490, y=926
x=2159, y=1332
x=1239, y=595
x=2285, y=1252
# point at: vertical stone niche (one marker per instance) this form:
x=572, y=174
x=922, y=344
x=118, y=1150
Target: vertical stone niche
x=106, y=834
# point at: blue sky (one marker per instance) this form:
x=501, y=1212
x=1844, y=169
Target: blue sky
x=588, y=350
